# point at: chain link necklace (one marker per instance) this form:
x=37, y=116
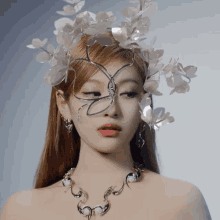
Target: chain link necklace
x=87, y=211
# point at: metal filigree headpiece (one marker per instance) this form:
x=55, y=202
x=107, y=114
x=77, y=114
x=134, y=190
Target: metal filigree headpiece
x=130, y=35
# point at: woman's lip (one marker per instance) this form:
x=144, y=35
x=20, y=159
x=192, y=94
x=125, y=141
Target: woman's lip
x=109, y=133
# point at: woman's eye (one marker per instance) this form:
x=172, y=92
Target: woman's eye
x=88, y=93
x=132, y=94
x=129, y=94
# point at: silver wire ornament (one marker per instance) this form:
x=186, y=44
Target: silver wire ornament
x=68, y=124
x=141, y=141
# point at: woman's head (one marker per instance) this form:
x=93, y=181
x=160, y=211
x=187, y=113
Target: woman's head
x=129, y=84
x=61, y=150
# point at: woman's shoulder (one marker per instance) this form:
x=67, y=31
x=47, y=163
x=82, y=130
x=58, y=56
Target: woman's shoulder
x=16, y=205
x=165, y=191
x=166, y=185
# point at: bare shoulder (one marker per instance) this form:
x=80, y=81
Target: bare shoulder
x=166, y=192
x=15, y=206
x=176, y=199
x=169, y=186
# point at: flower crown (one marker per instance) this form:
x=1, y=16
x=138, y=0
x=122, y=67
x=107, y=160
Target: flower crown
x=130, y=34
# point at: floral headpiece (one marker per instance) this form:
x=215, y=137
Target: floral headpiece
x=130, y=34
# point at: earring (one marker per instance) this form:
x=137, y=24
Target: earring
x=68, y=124
x=140, y=138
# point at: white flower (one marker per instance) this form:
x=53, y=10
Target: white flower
x=129, y=12
x=170, y=67
x=85, y=17
x=145, y=101
x=43, y=57
x=154, y=118
x=72, y=1
x=61, y=23
x=55, y=75
x=37, y=43
x=64, y=39
x=153, y=56
x=153, y=78
x=148, y=8
x=119, y=33
x=71, y=10
x=151, y=87
x=182, y=87
x=174, y=79
x=102, y=22
x=188, y=71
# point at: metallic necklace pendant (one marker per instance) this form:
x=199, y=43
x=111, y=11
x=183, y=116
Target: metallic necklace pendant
x=87, y=211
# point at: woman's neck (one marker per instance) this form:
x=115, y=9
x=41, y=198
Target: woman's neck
x=96, y=172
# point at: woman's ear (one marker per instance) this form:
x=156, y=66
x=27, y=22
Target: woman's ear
x=62, y=104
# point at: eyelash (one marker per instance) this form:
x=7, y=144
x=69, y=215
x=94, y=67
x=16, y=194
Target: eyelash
x=134, y=94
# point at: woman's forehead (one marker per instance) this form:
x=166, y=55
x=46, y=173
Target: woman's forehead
x=127, y=72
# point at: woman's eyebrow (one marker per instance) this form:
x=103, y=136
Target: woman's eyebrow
x=121, y=82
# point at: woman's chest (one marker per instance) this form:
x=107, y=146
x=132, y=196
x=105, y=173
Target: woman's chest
x=132, y=205
x=121, y=210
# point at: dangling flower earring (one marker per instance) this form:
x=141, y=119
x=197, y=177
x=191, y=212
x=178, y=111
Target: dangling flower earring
x=141, y=141
x=67, y=124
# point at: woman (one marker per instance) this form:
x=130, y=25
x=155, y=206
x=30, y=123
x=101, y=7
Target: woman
x=101, y=160
x=77, y=138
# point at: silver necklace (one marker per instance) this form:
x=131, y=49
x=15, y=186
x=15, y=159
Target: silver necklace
x=87, y=211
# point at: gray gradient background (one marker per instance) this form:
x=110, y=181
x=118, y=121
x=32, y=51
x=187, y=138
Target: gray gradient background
x=188, y=148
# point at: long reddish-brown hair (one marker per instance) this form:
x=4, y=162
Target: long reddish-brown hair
x=61, y=149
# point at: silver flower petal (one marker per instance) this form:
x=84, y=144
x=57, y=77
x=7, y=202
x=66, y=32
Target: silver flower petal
x=129, y=12
x=190, y=71
x=85, y=16
x=64, y=39
x=120, y=34
x=182, y=87
x=43, y=57
x=62, y=13
x=147, y=114
x=160, y=118
x=156, y=54
x=56, y=75
x=151, y=9
x=145, y=101
x=102, y=15
x=31, y=46
x=71, y=10
x=53, y=61
x=50, y=48
x=72, y=1
x=79, y=6
x=62, y=22
x=37, y=43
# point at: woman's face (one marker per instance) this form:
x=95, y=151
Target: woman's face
x=125, y=108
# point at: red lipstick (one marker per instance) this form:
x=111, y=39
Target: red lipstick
x=110, y=130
